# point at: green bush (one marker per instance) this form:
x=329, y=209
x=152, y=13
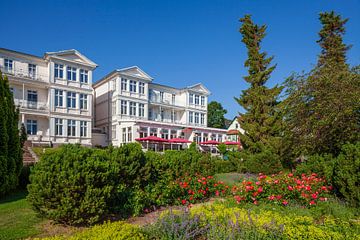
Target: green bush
x=346, y=177
x=73, y=185
x=323, y=165
x=24, y=176
x=264, y=162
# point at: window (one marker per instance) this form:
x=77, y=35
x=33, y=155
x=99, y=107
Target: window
x=83, y=76
x=161, y=115
x=31, y=127
x=58, y=127
x=191, y=98
x=202, y=118
x=59, y=71
x=173, y=99
x=123, y=107
x=123, y=84
x=32, y=96
x=71, y=130
x=236, y=125
x=8, y=65
x=124, y=135
x=113, y=108
x=150, y=114
x=141, y=110
x=83, y=101
x=71, y=100
x=141, y=88
x=202, y=100
x=113, y=131
x=153, y=132
x=173, y=116
x=71, y=73
x=129, y=134
x=32, y=70
x=132, y=86
x=113, y=85
x=161, y=96
x=83, y=129
x=143, y=132
x=197, y=118
x=173, y=134
x=12, y=90
x=132, y=110
x=197, y=99
x=191, y=117
x=165, y=133
x=59, y=94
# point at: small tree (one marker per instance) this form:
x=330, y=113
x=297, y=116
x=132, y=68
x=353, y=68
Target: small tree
x=23, y=134
x=216, y=112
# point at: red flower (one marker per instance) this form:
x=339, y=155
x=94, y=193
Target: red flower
x=183, y=202
x=255, y=202
x=290, y=188
x=260, y=190
x=290, y=174
x=217, y=193
x=312, y=202
x=285, y=202
x=278, y=197
x=314, y=196
x=272, y=197
x=308, y=188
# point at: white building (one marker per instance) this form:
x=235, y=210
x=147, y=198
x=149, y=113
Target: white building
x=128, y=105
x=54, y=94
x=234, y=130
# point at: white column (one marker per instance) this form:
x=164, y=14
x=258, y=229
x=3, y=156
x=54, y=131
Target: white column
x=148, y=131
x=64, y=99
x=90, y=78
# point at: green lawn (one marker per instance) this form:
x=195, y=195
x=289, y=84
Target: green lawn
x=17, y=219
x=232, y=178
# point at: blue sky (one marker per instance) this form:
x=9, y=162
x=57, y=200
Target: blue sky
x=179, y=43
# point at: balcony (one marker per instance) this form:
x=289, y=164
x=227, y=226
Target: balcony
x=165, y=120
x=24, y=74
x=31, y=105
x=164, y=102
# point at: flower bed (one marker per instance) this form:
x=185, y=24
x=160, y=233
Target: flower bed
x=282, y=189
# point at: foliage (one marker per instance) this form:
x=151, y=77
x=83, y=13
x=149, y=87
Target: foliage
x=283, y=189
x=322, y=107
x=346, y=177
x=73, y=185
x=116, y=230
x=265, y=161
x=18, y=220
x=216, y=112
x=23, y=134
x=262, y=120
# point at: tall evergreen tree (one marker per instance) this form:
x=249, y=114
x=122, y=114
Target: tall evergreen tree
x=323, y=107
x=10, y=149
x=216, y=112
x=262, y=120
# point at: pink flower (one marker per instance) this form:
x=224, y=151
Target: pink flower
x=285, y=202
x=272, y=197
x=314, y=196
x=312, y=202
x=290, y=188
x=260, y=190
x=290, y=174
x=257, y=183
x=217, y=193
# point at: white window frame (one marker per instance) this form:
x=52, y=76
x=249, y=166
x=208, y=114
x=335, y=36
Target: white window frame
x=132, y=108
x=71, y=73
x=141, y=110
x=59, y=71
x=202, y=119
x=32, y=70
x=71, y=128
x=202, y=100
x=141, y=88
x=124, y=84
x=59, y=98
x=113, y=107
x=113, y=131
x=191, y=98
x=83, y=128
x=129, y=134
x=124, y=135
x=197, y=100
x=59, y=127
x=84, y=76
x=191, y=117
x=123, y=107
x=8, y=65
x=30, y=123
x=132, y=87
x=72, y=97
x=197, y=118
x=83, y=101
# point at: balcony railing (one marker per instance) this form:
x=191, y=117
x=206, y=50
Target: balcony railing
x=24, y=104
x=164, y=120
x=164, y=101
x=23, y=74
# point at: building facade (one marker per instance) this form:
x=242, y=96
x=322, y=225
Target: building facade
x=234, y=130
x=54, y=94
x=128, y=105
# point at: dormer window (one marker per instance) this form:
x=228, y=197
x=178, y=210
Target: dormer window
x=71, y=73
x=8, y=63
x=83, y=76
x=141, y=88
x=197, y=100
x=191, y=98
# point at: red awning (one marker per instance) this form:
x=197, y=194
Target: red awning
x=179, y=140
x=151, y=139
x=210, y=142
x=233, y=132
x=232, y=143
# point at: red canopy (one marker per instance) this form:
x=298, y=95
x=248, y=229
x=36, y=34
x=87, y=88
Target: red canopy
x=151, y=139
x=210, y=142
x=232, y=143
x=179, y=140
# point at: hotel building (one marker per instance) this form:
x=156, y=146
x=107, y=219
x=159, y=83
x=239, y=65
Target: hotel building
x=54, y=94
x=129, y=105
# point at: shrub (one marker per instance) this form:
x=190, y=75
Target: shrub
x=24, y=176
x=263, y=162
x=73, y=185
x=346, y=177
x=323, y=165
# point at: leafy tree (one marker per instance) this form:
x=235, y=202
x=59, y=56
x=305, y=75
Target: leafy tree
x=216, y=114
x=10, y=149
x=322, y=109
x=262, y=120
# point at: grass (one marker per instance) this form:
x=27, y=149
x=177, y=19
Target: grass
x=17, y=219
x=233, y=177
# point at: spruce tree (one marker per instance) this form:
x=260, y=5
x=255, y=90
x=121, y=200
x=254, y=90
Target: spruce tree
x=10, y=149
x=262, y=120
x=323, y=106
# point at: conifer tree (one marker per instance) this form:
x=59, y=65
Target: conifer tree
x=262, y=120
x=10, y=149
x=323, y=107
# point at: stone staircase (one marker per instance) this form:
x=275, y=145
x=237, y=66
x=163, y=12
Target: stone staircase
x=29, y=157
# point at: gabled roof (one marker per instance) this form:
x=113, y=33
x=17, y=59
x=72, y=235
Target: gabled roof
x=135, y=71
x=69, y=55
x=199, y=87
